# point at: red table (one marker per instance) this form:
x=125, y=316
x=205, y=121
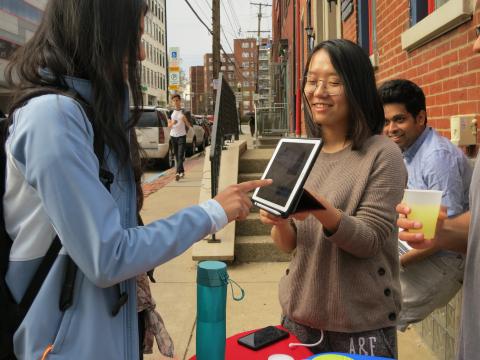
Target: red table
x=235, y=351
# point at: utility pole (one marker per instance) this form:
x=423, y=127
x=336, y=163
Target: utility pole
x=258, y=39
x=259, y=16
x=216, y=38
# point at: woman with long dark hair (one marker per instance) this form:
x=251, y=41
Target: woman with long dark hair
x=69, y=123
x=341, y=292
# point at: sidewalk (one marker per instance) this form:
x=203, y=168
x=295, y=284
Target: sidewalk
x=175, y=290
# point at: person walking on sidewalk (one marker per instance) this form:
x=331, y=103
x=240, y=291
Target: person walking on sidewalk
x=178, y=124
x=461, y=234
x=429, y=278
x=70, y=122
x=341, y=291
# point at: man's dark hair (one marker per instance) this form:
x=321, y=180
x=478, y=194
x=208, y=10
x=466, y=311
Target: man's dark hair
x=402, y=91
x=93, y=40
x=366, y=116
x=176, y=96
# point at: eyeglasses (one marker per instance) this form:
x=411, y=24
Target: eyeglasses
x=333, y=88
x=477, y=31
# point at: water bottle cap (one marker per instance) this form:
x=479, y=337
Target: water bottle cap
x=212, y=273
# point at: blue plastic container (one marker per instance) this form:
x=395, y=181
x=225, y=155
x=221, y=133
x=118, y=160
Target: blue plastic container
x=212, y=280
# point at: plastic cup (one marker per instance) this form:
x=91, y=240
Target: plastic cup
x=424, y=207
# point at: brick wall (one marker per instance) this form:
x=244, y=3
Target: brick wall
x=446, y=68
x=449, y=73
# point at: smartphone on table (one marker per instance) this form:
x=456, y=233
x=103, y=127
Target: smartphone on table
x=263, y=337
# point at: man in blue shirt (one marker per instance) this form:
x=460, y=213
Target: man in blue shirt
x=429, y=278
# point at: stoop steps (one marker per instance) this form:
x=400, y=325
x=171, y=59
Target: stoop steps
x=252, y=238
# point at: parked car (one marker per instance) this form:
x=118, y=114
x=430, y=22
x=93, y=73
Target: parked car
x=202, y=121
x=153, y=136
x=196, y=139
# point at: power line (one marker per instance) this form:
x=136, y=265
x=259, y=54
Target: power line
x=208, y=4
x=228, y=18
x=201, y=9
x=199, y=18
x=235, y=17
x=211, y=33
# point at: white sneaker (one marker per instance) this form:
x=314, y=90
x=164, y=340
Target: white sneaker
x=182, y=175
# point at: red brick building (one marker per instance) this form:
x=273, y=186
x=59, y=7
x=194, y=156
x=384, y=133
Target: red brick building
x=245, y=51
x=227, y=68
x=429, y=43
x=197, y=90
x=426, y=41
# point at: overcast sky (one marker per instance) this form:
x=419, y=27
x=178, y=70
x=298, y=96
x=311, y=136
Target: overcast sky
x=186, y=31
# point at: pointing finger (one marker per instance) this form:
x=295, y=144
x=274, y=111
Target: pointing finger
x=253, y=184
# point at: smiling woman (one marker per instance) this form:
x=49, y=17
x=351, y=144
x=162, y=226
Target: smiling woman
x=342, y=285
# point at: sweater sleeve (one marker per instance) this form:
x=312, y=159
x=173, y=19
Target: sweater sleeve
x=364, y=233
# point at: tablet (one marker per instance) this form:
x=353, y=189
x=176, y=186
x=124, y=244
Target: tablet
x=289, y=168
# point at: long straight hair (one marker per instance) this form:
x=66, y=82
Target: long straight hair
x=93, y=40
x=366, y=116
x=97, y=40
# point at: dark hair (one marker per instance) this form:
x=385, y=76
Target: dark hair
x=366, y=116
x=176, y=96
x=404, y=92
x=93, y=40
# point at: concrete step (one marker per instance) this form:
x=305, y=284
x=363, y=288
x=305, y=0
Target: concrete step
x=258, y=249
x=249, y=176
x=254, y=161
x=267, y=142
x=251, y=226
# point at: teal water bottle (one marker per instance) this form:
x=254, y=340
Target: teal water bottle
x=212, y=281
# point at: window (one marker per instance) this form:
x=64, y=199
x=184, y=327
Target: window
x=430, y=19
x=367, y=25
x=245, y=45
x=419, y=9
x=245, y=54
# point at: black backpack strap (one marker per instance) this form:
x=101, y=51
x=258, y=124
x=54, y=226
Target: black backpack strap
x=41, y=274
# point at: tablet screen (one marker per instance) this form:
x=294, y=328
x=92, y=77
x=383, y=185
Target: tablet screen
x=285, y=171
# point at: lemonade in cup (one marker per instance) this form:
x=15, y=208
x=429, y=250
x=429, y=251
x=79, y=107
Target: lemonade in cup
x=424, y=207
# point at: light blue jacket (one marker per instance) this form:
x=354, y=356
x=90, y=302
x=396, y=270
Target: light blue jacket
x=53, y=187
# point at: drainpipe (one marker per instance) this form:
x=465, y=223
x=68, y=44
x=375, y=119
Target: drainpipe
x=298, y=127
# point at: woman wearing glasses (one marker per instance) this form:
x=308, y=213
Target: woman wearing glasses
x=341, y=291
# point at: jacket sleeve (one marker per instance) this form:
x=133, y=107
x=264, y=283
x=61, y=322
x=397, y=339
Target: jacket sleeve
x=52, y=144
x=364, y=233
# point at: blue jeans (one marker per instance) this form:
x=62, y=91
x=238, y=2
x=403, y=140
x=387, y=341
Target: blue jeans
x=179, y=151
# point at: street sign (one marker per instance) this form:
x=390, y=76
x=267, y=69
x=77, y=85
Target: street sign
x=174, y=78
x=173, y=56
x=173, y=87
x=174, y=69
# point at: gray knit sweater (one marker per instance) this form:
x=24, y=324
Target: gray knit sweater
x=349, y=282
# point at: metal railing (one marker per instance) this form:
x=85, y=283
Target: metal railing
x=225, y=126
x=271, y=121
